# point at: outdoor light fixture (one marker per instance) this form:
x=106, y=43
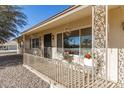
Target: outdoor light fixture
x=52, y=37
x=67, y=30
x=123, y=25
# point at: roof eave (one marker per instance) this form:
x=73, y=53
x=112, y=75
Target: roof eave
x=73, y=8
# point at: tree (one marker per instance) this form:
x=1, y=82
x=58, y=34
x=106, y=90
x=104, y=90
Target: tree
x=11, y=19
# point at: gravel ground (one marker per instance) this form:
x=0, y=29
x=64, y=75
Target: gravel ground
x=19, y=77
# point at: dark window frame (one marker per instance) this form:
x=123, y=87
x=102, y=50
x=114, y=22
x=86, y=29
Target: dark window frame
x=79, y=39
x=35, y=42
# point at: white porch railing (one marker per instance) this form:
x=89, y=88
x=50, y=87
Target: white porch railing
x=70, y=74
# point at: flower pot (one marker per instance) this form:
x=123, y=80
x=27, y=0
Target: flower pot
x=88, y=62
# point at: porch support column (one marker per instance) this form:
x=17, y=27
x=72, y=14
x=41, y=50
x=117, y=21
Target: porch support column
x=24, y=43
x=121, y=67
x=99, y=40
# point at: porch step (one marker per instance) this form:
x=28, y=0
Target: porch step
x=101, y=83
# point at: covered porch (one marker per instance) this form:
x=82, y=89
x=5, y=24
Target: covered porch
x=59, y=47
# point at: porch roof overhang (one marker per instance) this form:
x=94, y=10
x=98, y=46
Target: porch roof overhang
x=71, y=14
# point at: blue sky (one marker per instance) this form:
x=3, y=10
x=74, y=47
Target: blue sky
x=38, y=13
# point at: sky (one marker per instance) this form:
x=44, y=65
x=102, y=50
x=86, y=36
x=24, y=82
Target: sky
x=39, y=13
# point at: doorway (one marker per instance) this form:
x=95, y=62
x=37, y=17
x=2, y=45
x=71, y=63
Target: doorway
x=48, y=46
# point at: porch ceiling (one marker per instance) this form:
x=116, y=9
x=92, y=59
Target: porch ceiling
x=77, y=13
x=114, y=6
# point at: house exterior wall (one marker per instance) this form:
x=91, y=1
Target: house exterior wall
x=116, y=32
x=115, y=41
x=72, y=25
x=82, y=22
x=115, y=37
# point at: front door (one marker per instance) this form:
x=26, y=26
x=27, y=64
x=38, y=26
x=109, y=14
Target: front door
x=47, y=46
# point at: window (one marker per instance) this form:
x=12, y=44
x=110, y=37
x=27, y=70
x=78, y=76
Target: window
x=59, y=43
x=86, y=37
x=35, y=43
x=59, y=40
x=72, y=42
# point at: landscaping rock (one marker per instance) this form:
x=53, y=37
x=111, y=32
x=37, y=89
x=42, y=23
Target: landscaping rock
x=20, y=77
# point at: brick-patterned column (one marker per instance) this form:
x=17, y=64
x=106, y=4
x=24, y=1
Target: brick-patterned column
x=99, y=44
x=121, y=67
x=24, y=43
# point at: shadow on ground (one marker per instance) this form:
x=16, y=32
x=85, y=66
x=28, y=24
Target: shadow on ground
x=10, y=60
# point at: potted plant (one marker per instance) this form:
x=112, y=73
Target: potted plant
x=88, y=61
x=68, y=57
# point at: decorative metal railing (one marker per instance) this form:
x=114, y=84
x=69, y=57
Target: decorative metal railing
x=69, y=73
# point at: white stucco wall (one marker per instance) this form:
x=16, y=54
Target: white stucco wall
x=112, y=64
x=115, y=40
x=116, y=32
